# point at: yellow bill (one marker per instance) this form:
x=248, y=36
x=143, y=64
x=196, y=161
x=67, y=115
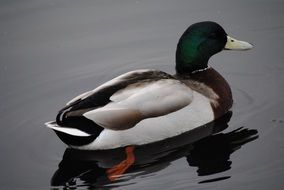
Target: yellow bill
x=233, y=44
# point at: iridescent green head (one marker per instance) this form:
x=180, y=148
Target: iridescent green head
x=199, y=42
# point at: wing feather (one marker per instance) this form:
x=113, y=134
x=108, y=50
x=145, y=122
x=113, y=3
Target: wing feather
x=140, y=101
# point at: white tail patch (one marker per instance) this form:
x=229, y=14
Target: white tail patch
x=67, y=130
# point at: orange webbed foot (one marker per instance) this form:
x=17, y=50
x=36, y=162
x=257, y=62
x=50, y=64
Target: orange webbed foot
x=119, y=169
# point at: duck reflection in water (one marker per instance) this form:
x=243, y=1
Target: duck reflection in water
x=205, y=148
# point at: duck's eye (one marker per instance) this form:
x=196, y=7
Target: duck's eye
x=213, y=35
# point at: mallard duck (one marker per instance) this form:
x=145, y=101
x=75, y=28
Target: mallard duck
x=145, y=106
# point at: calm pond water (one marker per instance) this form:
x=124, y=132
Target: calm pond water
x=52, y=50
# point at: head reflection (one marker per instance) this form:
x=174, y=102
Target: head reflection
x=212, y=154
x=203, y=148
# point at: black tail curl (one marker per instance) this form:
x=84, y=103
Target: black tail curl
x=79, y=122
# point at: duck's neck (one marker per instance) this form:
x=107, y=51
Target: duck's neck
x=191, y=67
x=190, y=57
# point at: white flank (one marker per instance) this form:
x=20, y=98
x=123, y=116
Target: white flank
x=197, y=113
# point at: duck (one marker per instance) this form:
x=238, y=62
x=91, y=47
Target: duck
x=146, y=106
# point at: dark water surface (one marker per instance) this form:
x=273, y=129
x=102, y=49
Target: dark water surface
x=51, y=51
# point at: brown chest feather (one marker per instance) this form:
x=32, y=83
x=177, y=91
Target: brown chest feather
x=212, y=85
